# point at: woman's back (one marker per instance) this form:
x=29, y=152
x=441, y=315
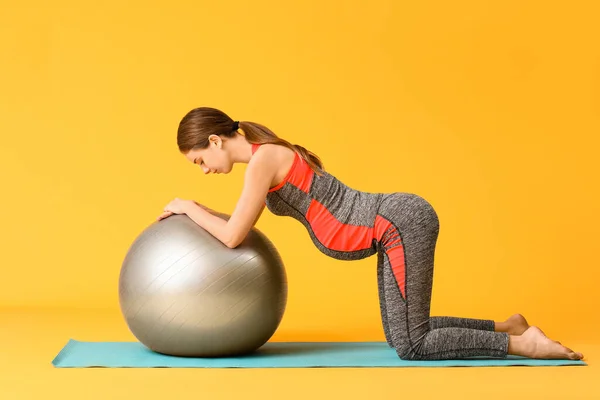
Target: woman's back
x=339, y=219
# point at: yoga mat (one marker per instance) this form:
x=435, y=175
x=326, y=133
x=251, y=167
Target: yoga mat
x=270, y=355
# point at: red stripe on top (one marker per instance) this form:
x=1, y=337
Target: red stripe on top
x=334, y=234
x=299, y=175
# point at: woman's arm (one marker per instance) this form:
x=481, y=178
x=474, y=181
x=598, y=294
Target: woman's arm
x=260, y=173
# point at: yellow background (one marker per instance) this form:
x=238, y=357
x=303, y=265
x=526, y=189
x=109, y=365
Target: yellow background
x=489, y=110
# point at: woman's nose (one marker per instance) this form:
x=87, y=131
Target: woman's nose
x=206, y=170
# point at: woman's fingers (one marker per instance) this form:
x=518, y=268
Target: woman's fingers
x=164, y=215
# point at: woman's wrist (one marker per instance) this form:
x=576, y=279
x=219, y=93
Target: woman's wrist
x=190, y=205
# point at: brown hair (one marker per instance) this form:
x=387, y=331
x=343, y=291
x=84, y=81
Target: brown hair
x=198, y=124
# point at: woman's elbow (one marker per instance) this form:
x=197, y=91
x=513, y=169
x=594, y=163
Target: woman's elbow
x=235, y=238
x=234, y=242
x=231, y=244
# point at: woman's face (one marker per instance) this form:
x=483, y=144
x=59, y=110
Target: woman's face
x=213, y=159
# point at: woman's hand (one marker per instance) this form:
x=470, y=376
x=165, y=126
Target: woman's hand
x=177, y=206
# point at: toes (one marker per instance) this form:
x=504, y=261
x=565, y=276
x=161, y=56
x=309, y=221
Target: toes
x=573, y=355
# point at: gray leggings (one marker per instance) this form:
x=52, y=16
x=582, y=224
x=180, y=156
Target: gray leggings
x=405, y=279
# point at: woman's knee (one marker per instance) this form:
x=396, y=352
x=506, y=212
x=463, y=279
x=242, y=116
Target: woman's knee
x=406, y=350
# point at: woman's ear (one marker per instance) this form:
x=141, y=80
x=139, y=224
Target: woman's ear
x=215, y=140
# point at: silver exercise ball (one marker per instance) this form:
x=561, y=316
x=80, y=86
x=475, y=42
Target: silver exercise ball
x=184, y=293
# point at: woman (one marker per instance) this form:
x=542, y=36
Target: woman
x=347, y=224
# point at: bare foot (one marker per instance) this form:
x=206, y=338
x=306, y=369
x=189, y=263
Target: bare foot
x=516, y=324
x=534, y=344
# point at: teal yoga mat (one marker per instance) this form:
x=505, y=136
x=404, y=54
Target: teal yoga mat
x=78, y=354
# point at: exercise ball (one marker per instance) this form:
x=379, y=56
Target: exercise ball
x=184, y=293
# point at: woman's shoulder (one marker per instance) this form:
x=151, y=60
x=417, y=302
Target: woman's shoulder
x=275, y=155
x=275, y=150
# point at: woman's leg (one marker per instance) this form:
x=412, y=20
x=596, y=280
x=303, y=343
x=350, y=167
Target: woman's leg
x=382, y=301
x=407, y=256
x=516, y=324
x=515, y=327
x=456, y=322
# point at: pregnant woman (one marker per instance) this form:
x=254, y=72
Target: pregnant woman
x=348, y=224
